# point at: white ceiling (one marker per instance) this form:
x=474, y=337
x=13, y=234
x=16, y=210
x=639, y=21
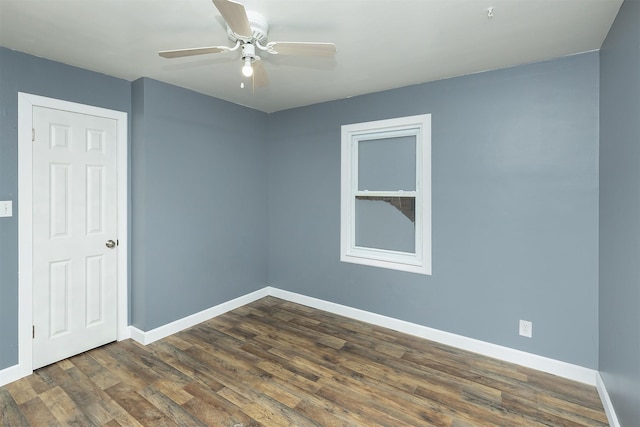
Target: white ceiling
x=382, y=44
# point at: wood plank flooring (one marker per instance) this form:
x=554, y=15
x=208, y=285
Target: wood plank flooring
x=276, y=363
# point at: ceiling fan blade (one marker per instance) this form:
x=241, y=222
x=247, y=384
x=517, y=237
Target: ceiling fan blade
x=192, y=51
x=260, y=77
x=301, y=48
x=236, y=17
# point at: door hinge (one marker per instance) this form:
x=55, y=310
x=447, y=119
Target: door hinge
x=33, y=331
x=33, y=134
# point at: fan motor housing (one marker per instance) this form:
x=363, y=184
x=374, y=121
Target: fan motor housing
x=259, y=29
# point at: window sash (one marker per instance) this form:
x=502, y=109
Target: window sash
x=385, y=222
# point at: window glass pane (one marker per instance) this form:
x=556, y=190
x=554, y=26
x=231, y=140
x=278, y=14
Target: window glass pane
x=386, y=223
x=387, y=164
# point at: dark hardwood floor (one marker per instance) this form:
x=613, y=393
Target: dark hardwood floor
x=276, y=363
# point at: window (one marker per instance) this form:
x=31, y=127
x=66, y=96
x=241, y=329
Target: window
x=386, y=194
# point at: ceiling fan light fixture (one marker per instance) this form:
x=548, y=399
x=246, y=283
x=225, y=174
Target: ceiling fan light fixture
x=247, y=69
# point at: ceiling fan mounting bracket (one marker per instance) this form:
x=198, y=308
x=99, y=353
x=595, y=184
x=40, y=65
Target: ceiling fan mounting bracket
x=259, y=29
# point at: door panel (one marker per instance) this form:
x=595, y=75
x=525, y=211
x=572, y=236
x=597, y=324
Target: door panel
x=74, y=215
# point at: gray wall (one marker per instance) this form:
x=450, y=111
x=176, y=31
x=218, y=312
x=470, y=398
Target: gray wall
x=25, y=73
x=515, y=207
x=620, y=213
x=199, y=202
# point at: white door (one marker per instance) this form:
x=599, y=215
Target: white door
x=74, y=233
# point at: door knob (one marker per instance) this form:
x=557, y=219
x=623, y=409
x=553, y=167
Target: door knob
x=111, y=244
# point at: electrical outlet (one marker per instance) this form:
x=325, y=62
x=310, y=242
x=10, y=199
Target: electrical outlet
x=526, y=328
x=6, y=208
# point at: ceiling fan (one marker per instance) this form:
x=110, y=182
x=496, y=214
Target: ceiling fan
x=249, y=30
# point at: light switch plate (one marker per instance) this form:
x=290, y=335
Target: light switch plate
x=6, y=208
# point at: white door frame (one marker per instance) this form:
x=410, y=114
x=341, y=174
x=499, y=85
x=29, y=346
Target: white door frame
x=26, y=102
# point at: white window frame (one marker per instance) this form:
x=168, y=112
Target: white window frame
x=420, y=127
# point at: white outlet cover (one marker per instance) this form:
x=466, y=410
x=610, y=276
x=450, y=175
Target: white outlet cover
x=526, y=328
x=6, y=208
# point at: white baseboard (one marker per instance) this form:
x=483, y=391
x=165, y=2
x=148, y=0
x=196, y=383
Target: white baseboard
x=186, y=322
x=540, y=363
x=606, y=402
x=12, y=373
x=529, y=360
